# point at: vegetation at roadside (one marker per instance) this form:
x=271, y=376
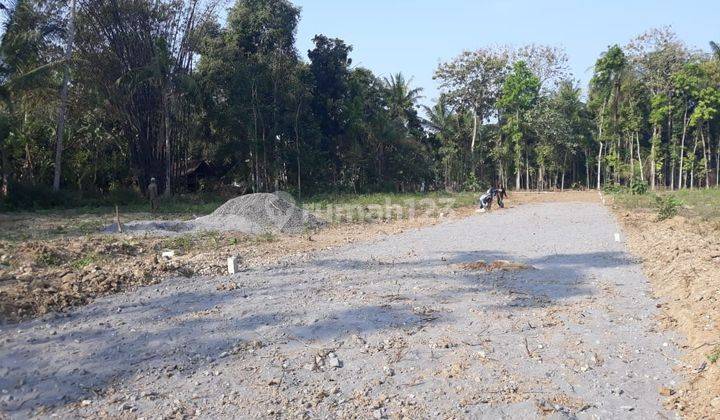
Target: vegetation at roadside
x=714, y=356
x=421, y=200
x=700, y=204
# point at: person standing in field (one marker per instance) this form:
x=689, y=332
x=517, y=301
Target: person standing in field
x=153, y=195
x=501, y=193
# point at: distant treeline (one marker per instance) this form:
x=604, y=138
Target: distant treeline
x=100, y=96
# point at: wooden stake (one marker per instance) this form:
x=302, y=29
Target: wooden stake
x=117, y=219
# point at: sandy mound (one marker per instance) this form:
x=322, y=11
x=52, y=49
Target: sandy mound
x=252, y=213
x=259, y=213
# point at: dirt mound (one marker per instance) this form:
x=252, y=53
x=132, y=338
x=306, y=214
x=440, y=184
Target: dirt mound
x=251, y=213
x=503, y=265
x=259, y=213
x=682, y=259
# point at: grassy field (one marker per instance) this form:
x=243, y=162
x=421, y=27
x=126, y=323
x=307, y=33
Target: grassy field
x=701, y=204
x=460, y=199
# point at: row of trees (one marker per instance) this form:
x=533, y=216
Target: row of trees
x=157, y=87
x=651, y=116
x=100, y=96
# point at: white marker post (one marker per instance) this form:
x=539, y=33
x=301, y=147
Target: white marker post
x=232, y=265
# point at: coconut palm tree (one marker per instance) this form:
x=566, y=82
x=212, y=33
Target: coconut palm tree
x=28, y=31
x=715, y=49
x=401, y=97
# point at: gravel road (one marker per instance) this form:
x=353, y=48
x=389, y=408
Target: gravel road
x=385, y=328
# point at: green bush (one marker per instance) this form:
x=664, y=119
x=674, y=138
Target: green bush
x=715, y=355
x=31, y=197
x=610, y=187
x=123, y=197
x=638, y=187
x=667, y=206
x=472, y=183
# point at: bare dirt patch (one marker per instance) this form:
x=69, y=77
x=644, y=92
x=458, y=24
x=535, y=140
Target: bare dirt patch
x=681, y=257
x=503, y=265
x=52, y=274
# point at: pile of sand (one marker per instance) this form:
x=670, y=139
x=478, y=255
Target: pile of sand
x=259, y=213
x=252, y=213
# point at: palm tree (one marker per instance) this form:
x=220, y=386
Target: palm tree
x=715, y=49
x=439, y=117
x=442, y=121
x=401, y=98
x=27, y=32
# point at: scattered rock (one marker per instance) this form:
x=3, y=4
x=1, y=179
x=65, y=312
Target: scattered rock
x=333, y=361
x=666, y=392
x=168, y=254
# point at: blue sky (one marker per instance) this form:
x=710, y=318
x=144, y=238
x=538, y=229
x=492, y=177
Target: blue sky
x=414, y=36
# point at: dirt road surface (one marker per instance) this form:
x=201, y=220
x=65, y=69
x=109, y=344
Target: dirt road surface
x=390, y=327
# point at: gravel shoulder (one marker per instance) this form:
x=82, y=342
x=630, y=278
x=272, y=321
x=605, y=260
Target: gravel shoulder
x=389, y=327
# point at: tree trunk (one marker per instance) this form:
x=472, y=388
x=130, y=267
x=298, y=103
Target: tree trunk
x=4, y=173
x=706, y=157
x=652, y=158
x=527, y=170
x=518, y=152
x=562, y=182
x=717, y=163
x=599, y=185
x=681, y=179
x=168, y=157
x=642, y=174
x=63, y=99
x=671, y=146
x=587, y=168
x=600, y=136
x=692, y=170
x=631, y=146
x=474, y=132
x=297, y=147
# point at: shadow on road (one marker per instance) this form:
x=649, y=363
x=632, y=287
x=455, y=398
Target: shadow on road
x=109, y=342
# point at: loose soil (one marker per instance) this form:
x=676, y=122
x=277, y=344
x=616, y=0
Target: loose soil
x=681, y=257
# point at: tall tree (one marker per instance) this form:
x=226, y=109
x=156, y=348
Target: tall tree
x=63, y=97
x=605, y=99
x=519, y=94
x=473, y=82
